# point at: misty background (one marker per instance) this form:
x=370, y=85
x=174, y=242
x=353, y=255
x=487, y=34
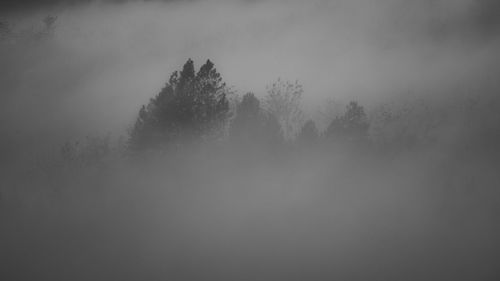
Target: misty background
x=107, y=58
x=415, y=199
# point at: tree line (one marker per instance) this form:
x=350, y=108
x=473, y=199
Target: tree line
x=195, y=106
x=12, y=35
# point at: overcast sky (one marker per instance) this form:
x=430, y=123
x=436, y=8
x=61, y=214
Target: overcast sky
x=109, y=57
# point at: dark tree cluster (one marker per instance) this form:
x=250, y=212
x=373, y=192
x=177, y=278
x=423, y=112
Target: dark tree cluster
x=42, y=30
x=352, y=126
x=194, y=106
x=253, y=124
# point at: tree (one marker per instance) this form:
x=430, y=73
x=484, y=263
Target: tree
x=248, y=121
x=5, y=28
x=191, y=106
x=406, y=124
x=6, y=31
x=283, y=101
x=49, y=23
x=309, y=133
x=272, y=131
x=353, y=125
x=253, y=124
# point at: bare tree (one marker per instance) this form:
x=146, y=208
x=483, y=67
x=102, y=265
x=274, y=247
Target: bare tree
x=283, y=101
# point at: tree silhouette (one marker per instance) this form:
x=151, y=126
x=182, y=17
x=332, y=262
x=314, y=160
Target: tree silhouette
x=248, y=121
x=49, y=24
x=252, y=124
x=5, y=29
x=273, y=131
x=191, y=106
x=283, y=101
x=308, y=134
x=406, y=124
x=353, y=125
x=7, y=34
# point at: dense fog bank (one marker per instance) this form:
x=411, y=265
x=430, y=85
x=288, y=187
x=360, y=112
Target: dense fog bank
x=374, y=157
x=224, y=213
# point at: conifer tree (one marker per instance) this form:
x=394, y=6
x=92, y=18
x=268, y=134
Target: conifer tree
x=353, y=125
x=309, y=133
x=192, y=106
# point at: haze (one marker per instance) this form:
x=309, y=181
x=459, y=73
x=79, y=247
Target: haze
x=108, y=58
x=398, y=182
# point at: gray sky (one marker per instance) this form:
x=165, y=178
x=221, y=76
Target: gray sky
x=109, y=57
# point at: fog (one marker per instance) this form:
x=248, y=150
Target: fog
x=414, y=198
x=334, y=213
x=108, y=58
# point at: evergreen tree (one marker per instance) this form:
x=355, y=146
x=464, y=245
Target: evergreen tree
x=273, y=131
x=248, y=121
x=252, y=124
x=4, y=28
x=353, y=125
x=191, y=106
x=309, y=133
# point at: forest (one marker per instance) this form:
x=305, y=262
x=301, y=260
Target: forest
x=209, y=182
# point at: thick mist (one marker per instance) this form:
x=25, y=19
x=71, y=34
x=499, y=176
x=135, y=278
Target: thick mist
x=398, y=181
x=105, y=59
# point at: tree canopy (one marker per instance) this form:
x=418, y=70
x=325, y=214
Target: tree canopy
x=253, y=124
x=283, y=101
x=191, y=106
x=309, y=133
x=353, y=125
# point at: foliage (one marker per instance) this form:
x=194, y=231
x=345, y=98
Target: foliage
x=309, y=133
x=191, y=106
x=43, y=30
x=248, y=120
x=49, y=22
x=5, y=29
x=406, y=124
x=283, y=101
x=253, y=124
x=352, y=126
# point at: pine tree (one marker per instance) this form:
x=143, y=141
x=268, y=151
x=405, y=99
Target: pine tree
x=253, y=125
x=352, y=126
x=192, y=106
x=248, y=121
x=309, y=133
